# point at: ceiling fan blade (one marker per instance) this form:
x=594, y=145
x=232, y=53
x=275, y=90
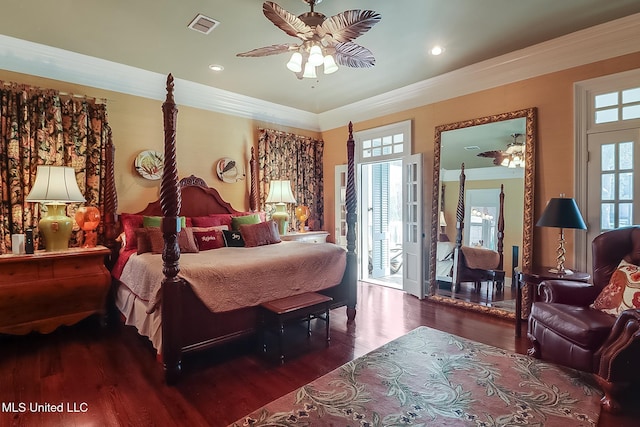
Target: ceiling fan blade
x=494, y=153
x=353, y=55
x=270, y=50
x=348, y=25
x=287, y=22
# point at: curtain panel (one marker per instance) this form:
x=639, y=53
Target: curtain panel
x=286, y=156
x=42, y=127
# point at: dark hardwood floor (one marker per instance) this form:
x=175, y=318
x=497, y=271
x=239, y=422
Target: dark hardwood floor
x=110, y=376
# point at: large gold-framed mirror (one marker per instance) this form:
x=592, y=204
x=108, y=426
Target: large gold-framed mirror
x=485, y=145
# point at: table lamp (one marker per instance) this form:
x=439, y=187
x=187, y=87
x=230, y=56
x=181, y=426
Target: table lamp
x=561, y=212
x=302, y=213
x=280, y=194
x=88, y=219
x=55, y=186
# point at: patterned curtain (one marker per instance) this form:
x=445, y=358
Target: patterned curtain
x=297, y=158
x=42, y=127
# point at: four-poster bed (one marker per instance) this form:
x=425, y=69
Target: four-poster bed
x=179, y=318
x=457, y=263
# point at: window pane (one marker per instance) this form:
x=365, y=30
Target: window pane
x=376, y=152
x=398, y=138
x=398, y=148
x=625, y=214
x=377, y=142
x=606, y=99
x=366, y=153
x=386, y=150
x=631, y=95
x=631, y=112
x=626, y=155
x=608, y=187
x=608, y=153
x=387, y=140
x=626, y=186
x=606, y=217
x=366, y=143
x=606, y=116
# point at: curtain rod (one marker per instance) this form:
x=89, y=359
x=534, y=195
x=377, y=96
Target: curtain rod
x=60, y=93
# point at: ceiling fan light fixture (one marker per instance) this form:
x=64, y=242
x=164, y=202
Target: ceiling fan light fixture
x=295, y=63
x=315, y=55
x=309, y=71
x=330, y=65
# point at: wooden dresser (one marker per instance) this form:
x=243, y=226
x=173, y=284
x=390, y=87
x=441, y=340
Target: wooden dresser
x=309, y=236
x=41, y=291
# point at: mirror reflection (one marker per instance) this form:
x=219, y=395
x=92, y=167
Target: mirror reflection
x=484, y=176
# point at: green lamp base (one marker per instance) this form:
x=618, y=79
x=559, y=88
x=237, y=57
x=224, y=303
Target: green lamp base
x=281, y=217
x=56, y=228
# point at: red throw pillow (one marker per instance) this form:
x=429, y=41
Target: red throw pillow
x=186, y=240
x=622, y=292
x=130, y=222
x=212, y=220
x=209, y=239
x=262, y=233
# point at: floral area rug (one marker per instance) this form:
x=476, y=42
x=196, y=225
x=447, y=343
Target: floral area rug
x=431, y=378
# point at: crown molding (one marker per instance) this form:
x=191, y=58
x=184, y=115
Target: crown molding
x=608, y=40
x=597, y=43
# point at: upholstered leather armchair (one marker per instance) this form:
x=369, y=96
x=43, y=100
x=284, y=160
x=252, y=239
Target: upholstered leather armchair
x=564, y=329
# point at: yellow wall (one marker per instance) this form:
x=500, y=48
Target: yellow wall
x=552, y=94
x=202, y=138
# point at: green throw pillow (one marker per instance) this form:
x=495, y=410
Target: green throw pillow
x=156, y=221
x=236, y=221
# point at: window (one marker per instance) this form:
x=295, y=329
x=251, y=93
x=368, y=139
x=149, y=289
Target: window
x=617, y=106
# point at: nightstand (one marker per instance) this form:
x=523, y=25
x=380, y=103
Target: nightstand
x=44, y=290
x=309, y=237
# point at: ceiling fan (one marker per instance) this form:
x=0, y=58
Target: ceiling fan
x=325, y=41
x=512, y=157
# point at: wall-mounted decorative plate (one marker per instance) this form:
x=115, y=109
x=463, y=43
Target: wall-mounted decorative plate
x=227, y=170
x=150, y=164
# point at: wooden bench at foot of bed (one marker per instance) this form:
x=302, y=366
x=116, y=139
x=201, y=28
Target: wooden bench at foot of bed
x=307, y=306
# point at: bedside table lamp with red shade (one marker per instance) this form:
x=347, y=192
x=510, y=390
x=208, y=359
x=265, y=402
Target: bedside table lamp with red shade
x=55, y=186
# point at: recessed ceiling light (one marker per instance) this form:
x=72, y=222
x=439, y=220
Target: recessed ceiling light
x=436, y=50
x=216, y=67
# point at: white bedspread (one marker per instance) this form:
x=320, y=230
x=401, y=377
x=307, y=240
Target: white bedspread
x=231, y=278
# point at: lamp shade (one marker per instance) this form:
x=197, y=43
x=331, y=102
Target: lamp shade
x=55, y=184
x=562, y=212
x=280, y=192
x=443, y=222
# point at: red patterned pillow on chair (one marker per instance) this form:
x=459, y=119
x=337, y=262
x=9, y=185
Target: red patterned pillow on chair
x=622, y=292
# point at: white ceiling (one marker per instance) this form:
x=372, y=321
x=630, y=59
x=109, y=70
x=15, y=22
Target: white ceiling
x=152, y=35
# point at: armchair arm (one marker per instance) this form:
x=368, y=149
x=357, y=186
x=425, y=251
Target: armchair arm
x=568, y=292
x=617, y=358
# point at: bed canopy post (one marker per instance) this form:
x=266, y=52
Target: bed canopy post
x=351, y=205
x=457, y=264
x=500, y=235
x=110, y=202
x=170, y=203
x=253, y=195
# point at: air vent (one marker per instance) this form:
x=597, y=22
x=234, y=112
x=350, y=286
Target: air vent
x=203, y=24
x=472, y=147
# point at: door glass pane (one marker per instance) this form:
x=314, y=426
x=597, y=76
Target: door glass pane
x=626, y=186
x=606, y=116
x=608, y=154
x=626, y=155
x=631, y=112
x=606, y=99
x=607, y=221
x=608, y=187
x=625, y=214
x=631, y=95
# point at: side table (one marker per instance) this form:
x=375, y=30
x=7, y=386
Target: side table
x=530, y=277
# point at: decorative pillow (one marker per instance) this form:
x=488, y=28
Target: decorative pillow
x=129, y=224
x=186, y=240
x=212, y=220
x=233, y=239
x=156, y=221
x=209, y=239
x=142, y=236
x=622, y=292
x=237, y=221
x=260, y=234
